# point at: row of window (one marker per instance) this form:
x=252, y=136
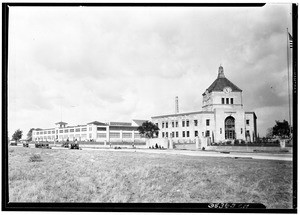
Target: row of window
x=85, y=129
x=99, y=135
x=62, y=131
x=184, y=123
x=184, y=134
x=227, y=100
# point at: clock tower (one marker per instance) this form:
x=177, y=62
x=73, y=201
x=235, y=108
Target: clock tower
x=222, y=93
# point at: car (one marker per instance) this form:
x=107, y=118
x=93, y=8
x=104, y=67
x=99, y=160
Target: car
x=13, y=143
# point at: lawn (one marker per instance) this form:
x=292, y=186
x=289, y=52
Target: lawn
x=49, y=175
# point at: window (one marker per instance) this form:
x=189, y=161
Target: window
x=163, y=125
x=49, y=132
x=90, y=128
x=172, y=124
x=90, y=136
x=167, y=134
x=183, y=123
x=183, y=134
x=187, y=134
x=207, y=122
x=137, y=135
x=173, y=134
x=187, y=123
x=176, y=123
x=66, y=130
x=207, y=133
x=223, y=101
x=127, y=135
x=77, y=130
x=196, y=122
x=163, y=134
x=71, y=130
x=114, y=135
x=53, y=132
x=60, y=131
x=101, y=135
x=220, y=130
x=247, y=122
x=176, y=133
x=241, y=130
x=231, y=100
x=247, y=133
x=227, y=100
x=45, y=132
x=196, y=133
x=83, y=129
x=166, y=125
x=101, y=129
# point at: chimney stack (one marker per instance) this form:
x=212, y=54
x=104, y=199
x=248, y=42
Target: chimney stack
x=176, y=105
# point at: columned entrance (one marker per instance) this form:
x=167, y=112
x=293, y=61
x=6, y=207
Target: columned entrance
x=229, y=128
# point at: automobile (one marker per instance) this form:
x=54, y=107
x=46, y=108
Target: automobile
x=13, y=143
x=74, y=146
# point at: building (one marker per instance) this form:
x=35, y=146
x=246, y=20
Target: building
x=222, y=116
x=97, y=131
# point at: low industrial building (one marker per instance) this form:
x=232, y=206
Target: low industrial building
x=96, y=131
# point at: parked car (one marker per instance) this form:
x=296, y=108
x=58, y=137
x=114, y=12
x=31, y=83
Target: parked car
x=13, y=143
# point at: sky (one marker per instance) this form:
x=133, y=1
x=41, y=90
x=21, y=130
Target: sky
x=84, y=64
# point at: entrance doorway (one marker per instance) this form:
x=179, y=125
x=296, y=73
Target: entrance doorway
x=230, y=128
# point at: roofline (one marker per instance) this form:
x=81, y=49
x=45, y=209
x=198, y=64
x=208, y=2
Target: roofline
x=97, y=123
x=181, y=114
x=61, y=123
x=221, y=91
x=251, y=112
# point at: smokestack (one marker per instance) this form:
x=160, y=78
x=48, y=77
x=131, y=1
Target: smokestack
x=176, y=105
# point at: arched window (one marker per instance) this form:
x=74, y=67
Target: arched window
x=230, y=128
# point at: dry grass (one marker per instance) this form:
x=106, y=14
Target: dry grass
x=116, y=176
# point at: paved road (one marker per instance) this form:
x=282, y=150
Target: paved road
x=237, y=155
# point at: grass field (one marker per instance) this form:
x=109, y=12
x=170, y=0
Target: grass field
x=45, y=175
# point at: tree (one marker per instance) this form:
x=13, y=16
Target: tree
x=17, y=135
x=269, y=133
x=29, y=134
x=148, y=129
x=281, y=129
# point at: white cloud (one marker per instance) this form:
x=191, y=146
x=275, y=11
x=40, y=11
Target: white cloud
x=124, y=63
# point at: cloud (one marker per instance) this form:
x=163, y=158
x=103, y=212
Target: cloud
x=110, y=64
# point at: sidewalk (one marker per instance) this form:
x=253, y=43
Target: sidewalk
x=235, y=155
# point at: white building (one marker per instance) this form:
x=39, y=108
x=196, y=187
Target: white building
x=97, y=131
x=222, y=116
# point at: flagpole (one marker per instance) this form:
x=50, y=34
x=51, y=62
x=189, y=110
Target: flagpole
x=288, y=70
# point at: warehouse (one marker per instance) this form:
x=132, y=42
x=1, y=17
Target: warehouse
x=96, y=131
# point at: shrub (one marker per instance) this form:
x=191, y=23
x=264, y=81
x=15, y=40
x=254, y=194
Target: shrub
x=228, y=142
x=35, y=158
x=203, y=148
x=236, y=142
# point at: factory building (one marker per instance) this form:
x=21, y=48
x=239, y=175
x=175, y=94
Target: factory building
x=96, y=131
x=222, y=117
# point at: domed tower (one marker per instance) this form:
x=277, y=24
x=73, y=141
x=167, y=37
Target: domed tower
x=222, y=93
